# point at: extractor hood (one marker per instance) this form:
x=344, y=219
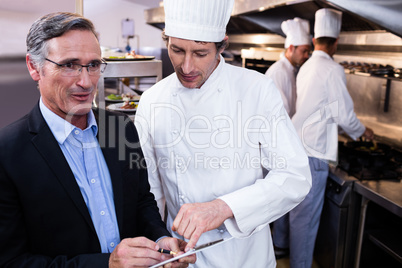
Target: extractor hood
x=265, y=16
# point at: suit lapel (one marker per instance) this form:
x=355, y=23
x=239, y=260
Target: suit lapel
x=48, y=147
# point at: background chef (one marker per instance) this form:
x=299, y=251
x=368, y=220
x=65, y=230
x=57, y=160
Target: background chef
x=283, y=72
x=323, y=103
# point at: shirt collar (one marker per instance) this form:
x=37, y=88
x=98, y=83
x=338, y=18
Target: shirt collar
x=61, y=128
x=321, y=54
x=288, y=63
x=216, y=74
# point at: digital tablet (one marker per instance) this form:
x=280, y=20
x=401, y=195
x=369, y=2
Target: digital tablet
x=194, y=250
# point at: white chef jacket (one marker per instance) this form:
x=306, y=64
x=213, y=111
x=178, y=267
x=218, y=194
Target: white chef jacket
x=210, y=142
x=284, y=75
x=323, y=103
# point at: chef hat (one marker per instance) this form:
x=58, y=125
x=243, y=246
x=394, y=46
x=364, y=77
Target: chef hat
x=327, y=23
x=297, y=32
x=199, y=20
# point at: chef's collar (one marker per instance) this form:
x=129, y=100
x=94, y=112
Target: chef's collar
x=215, y=76
x=288, y=63
x=61, y=128
x=322, y=54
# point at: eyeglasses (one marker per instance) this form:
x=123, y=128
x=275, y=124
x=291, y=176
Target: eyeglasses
x=74, y=69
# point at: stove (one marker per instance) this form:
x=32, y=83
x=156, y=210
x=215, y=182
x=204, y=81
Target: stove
x=370, y=161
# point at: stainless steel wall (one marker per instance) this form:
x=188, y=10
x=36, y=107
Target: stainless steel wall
x=369, y=95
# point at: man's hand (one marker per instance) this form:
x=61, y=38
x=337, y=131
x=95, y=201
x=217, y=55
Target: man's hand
x=136, y=252
x=195, y=219
x=178, y=246
x=368, y=134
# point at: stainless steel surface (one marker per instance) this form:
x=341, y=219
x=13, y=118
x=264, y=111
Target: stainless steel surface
x=367, y=25
x=116, y=69
x=262, y=40
x=383, y=13
x=246, y=6
x=336, y=235
x=369, y=97
x=359, y=15
x=362, y=221
x=387, y=194
x=155, y=16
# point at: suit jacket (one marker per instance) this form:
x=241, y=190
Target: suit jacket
x=44, y=220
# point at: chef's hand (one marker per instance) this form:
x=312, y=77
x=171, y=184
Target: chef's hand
x=136, y=252
x=368, y=134
x=195, y=219
x=178, y=246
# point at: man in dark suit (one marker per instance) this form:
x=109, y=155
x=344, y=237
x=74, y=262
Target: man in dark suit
x=74, y=190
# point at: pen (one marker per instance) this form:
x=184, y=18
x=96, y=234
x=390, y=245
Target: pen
x=161, y=250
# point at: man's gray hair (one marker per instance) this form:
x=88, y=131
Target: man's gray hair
x=50, y=26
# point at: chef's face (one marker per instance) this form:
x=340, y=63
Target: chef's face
x=193, y=61
x=300, y=54
x=69, y=95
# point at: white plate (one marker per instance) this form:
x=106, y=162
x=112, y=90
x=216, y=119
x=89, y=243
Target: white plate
x=116, y=107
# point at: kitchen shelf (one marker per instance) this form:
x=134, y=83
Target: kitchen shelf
x=123, y=69
x=388, y=242
x=376, y=76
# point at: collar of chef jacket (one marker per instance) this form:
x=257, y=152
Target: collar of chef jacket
x=320, y=53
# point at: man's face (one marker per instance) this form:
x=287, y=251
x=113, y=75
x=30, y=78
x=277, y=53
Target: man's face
x=65, y=95
x=193, y=61
x=300, y=54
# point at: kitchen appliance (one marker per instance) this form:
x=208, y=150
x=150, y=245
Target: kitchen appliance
x=335, y=243
x=358, y=161
x=370, y=161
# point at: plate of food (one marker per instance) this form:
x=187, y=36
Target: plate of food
x=127, y=106
x=122, y=97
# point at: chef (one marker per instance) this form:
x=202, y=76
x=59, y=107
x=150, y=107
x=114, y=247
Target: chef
x=206, y=130
x=297, y=50
x=323, y=104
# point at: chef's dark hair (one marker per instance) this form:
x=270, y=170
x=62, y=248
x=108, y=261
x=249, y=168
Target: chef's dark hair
x=50, y=26
x=219, y=45
x=328, y=41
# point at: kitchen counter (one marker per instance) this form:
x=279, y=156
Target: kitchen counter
x=388, y=195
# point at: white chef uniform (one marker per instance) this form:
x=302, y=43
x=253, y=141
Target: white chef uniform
x=323, y=103
x=283, y=73
x=210, y=142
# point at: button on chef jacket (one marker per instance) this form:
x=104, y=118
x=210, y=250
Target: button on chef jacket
x=284, y=75
x=323, y=103
x=208, y=143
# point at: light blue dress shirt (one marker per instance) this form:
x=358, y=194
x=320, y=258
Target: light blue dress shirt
x=84, y=156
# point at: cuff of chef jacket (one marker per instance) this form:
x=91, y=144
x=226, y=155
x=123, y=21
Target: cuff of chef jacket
x=233, y=228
